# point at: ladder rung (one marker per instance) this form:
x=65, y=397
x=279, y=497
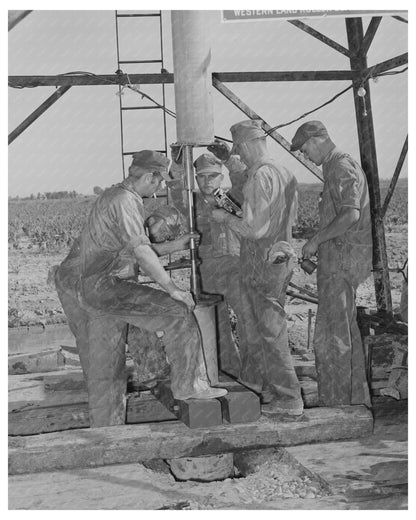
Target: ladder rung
x=138, y=61
x=141, y=108
x=137, y=15
x=131, y=153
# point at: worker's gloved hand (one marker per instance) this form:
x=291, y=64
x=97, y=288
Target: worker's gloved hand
x=220, y=149
x=184, y=297
x=183, y=241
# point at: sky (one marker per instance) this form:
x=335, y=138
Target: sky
x=76, y=145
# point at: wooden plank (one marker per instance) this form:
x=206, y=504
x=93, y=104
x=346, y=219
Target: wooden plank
x=368, y=156
x=370, y=33
x=274, y=135
x=395, y=178
x=321, y=37
x=290, y=75
x=31, y=118
x=67, y=410
x=45, y=361
x=38, y=337
x=15, y=17
x=137, y=443
x=384, y=66
x=166, y=78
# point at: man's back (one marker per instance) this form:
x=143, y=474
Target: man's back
x=114, y=227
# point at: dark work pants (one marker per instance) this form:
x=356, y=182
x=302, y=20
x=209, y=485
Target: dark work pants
x=339, y=353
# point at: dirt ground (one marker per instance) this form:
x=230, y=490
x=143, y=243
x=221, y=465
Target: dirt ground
x=361, y=474
x=366, y=473
x=33, y=299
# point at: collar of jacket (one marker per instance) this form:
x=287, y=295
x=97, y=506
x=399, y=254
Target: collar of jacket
x=126, y=187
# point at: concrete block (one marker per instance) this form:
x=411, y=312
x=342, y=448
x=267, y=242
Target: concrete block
x=240, y=406
x=199, y=413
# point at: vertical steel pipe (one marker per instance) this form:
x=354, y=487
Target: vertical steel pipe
x=190, y=188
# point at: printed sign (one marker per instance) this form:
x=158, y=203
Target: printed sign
x=260, y=15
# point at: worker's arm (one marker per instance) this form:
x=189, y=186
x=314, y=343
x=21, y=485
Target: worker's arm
x=151, y=266
x=345, y=195
x=172, y=246
x=346, y=218
x=237, y=170
x=255, y=223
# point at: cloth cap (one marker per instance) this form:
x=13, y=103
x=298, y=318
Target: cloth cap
x=151, y=161
x=246, y=131
x=305, y=132
x=207, y=163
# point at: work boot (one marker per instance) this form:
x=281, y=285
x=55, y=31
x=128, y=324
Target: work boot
x=209, y=393
x=293, y=407
x=202, y=390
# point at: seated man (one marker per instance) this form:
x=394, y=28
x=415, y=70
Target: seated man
x=100, y=296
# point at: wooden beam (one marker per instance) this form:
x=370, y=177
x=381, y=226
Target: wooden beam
x=401, y=19
x=368, y=155
x=66, y=410
x=130, y=444
x=305, y=75
x=38, y=112
x=166, y=78
x=274, y=135
x=395, y=178
x=384, y=66
x=370, y=33
x=321, y=37
x=89, y=80
x=35, y=338
x=14, y=17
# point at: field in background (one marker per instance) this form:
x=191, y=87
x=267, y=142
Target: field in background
x=41, y=231
x=52, y=225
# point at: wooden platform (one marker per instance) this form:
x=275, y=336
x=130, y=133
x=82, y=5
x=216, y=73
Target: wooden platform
x=135, y=443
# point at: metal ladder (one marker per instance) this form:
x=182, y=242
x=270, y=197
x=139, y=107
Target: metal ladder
x=121, y=62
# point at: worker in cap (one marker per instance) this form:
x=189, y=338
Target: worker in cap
x=305, y=132
x=219, y=250
x=102, y=271
x=343, y=244
x=269, y=212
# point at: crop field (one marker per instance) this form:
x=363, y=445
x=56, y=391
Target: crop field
x=52, y=225
x=41, y=232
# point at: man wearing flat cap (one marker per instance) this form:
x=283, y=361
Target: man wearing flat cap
x=98, y=283
x=343, y=245
x=269, y=211
x=219, y=252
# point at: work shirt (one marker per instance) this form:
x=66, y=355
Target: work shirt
x=345, y=186
x=216, y=239
x=270, y=205
x=114, y=228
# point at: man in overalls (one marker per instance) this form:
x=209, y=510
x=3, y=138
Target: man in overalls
x=269, y=211
x=344, y=248
x=100, y=294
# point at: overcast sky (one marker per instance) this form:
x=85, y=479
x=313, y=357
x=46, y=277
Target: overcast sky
x=75, y=145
